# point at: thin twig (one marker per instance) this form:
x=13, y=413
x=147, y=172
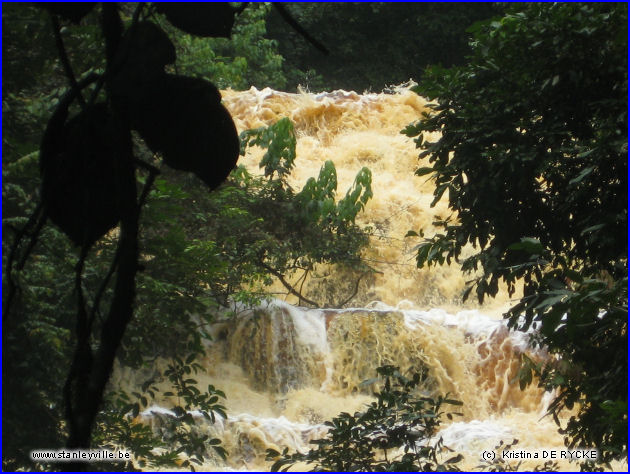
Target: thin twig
x=65, y=62
x=147, y=166
x=153, y=171
x=99, y=294
x=136, y=14
x=32, y=243
x=303, y=278
x=356, y=290
x=286, y=16
x=82, y=319
x=36, y=217
x=97, y=89
x=287, y=285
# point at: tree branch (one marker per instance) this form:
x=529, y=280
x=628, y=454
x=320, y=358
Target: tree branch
x=73, y=391
x=303, y=278
x=356, y=290
x=286, y=16
x=153, y=172
x=89, y=392
x=287, y=285
x=65, y=61
x=38, y=218
x=101, y=290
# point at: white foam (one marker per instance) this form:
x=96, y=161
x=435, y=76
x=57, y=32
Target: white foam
x=310, y=325
x=279, y=431
x=468, y=436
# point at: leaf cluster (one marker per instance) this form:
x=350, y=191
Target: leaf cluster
x=517, y=147
x=175, y=442
x=394, y=433
x=532, y=157
x=587, y=325
x=256, y=226
x=248, y=58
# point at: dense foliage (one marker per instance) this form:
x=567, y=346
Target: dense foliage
x=533, y=160
x=201, y=252
x=246, y=59
x=40, y=343
x=198, y=251
x=405, y=37
x=89, y=171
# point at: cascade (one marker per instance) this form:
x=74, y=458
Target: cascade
x=285, y=369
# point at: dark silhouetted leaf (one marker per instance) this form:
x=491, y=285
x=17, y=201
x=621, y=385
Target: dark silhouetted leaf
x=144, y=51
x=424, y=170
x=182, y=117
x=86, y=166
x=528, y=244
x=201, y=19
x=72, y=11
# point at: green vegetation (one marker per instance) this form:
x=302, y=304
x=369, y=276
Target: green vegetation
x=176, y=433
x=393, y=434
x=245, y=59
x=396, y=433
x=194, y=252
x=533, y=160
x=405, y=38
x=200, y=252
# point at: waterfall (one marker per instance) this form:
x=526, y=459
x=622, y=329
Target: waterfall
x=285, y=369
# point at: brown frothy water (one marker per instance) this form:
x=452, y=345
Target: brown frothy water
x=364, y=130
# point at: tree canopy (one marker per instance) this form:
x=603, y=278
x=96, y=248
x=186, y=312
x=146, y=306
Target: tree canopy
x=405, y=37
x=532, y=157
x=141, y=254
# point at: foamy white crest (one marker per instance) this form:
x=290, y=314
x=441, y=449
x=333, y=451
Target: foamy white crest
x=309, y=324
x=280, y=430
x=467, y=436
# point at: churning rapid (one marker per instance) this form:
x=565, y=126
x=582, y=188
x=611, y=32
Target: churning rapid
x=285, y=369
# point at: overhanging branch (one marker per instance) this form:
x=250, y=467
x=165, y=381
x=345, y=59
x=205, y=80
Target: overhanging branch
x=287, y=285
